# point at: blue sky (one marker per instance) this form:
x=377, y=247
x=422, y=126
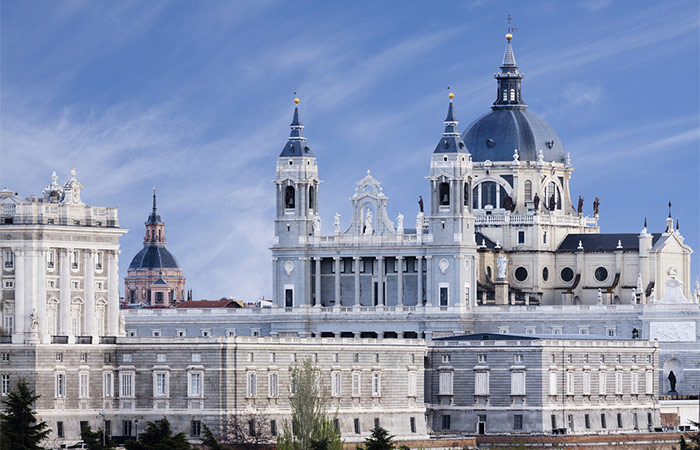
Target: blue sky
x=196, y=98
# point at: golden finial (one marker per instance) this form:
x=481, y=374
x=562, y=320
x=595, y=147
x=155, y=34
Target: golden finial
x=296, y=100
x=509, y=36
x=451, y=95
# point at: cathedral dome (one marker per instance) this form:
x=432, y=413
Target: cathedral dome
x=154, y=257
x=495, y=135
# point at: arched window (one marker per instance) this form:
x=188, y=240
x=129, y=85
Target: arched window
x=528, y=190
x=505, y=95
x=512, y=95
x=466, y=194
x=312, y=197
x=289, y=197
x=444, y=193
x=488, y=194
x=552, y=190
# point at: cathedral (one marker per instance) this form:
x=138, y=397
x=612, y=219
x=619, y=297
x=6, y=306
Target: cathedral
x=500, y=308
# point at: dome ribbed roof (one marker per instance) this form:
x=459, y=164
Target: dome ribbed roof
x=495, y=135
x=153, y=257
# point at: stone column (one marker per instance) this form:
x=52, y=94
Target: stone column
x=336, y=263
x=399, y=281
x=40, y=303
x=89, y=290
x=64, y=328
x=20, y=307
x=317, y=280
x=380, y=280
x=275, y=286
x=357, y=261
x=419, y=263
x=112, y=325
x=429, y=281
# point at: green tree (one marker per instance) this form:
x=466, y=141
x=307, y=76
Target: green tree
x=379, y=439
x=93, y=439
x=19, y=427
x=209, y=440
x=159, y=436
x=693, y=442
x=312, y=426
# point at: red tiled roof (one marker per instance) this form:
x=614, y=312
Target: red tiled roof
x=209, y=304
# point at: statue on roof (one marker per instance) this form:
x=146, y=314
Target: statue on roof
x=502, y=263
x=317, y=225
x=368, y=228
x=507, y=203
x=336, y=222
x=34, y=317
x=420, y=203
x=596, y=204
x=536, y=200
x=580, y=205
x=399, y=224
x=552, y=203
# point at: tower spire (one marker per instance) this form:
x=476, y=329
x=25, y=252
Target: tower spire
x=296, y=145
x=451, y=141
x=509, y=78
x=154, y=217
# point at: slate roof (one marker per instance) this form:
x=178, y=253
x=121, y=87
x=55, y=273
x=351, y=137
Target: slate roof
x=451, y=141
x=486, y=337
x=296, y=146
x=495, y=135
x=153, y=257
x=224, y=303
x=602, y=242
x=478, y=237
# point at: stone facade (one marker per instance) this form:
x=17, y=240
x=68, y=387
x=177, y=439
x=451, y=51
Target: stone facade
x=493, y=384
x=195, y=381
x=59, y=264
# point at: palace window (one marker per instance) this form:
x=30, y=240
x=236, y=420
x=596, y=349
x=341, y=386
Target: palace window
x=481, y=383
x=194, y=385
x=5, y=385
x=376, y=384
x=445, y=387
x=336, y=384
x=126, y=387
x=251, y=384
x=9, y=259
x=273, y=381
x=517, y=383
x=528, y=190
x=289, y=199
x=444, y=194
x=108, y=384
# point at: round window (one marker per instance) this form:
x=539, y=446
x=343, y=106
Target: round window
x=521, y=274
x=545, y=274
x=567, y=274
x=601, y=274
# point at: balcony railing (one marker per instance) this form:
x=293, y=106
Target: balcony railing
x=108, y=339
x=83, y=339
x=59, y=339
x=5, y=339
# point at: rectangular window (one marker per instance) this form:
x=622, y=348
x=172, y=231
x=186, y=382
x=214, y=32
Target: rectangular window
x=74, y=258
x=412, y=384
x=570, y=383
x=126, y=357
x=195, y=384
x=59, y=430
x=444, y=296
x=445, y=358
x=649, y=375
x=602, y=382
x=8, y=284
x=83, y=383
x=553, y=383
x=8, y=323
x=603, y=422
x=518, y=422
x=60, y=385
x=273, y=427
x=587, y=421
x=635, y=421
x=161, y=357
x=99, y=260
x=634, y=384
x=445, y=383
x=126, y=427
x=356, y=384
x=126, y=385
x=481, y=383
x=619, y=420
x=517, y=383
x=288, y=298
x=586, y=383
x=273, y=380
x=161, y=384
x=376, y=422
x=521, y=237
x=356, y=425
x=618, y=382
x=446, y=419
x=335, y=384
x=5, y=384
x=376, y=384
x=412, y=422
x=553, y=419
x=481, y=358
x=570, y=419
x=9, y=259
x=252, y=384
x=4, y=357
x=611, y=332
x=196, y=357
x=108, y=385
x=196, y=428
x=650, y=420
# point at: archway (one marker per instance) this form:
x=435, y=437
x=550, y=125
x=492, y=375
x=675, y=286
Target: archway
x=675, y=366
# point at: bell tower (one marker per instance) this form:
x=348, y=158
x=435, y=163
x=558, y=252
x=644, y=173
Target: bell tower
x=450, y=185
x=297, y=187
